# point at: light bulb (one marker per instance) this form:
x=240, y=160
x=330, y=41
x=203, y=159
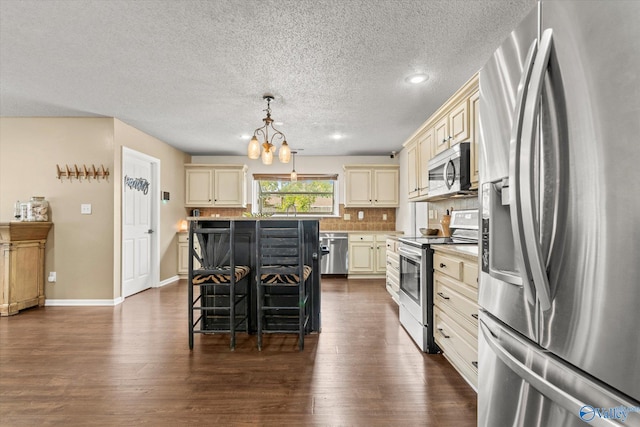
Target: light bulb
x=267, y=156
x=253, y=151
x=285, y=153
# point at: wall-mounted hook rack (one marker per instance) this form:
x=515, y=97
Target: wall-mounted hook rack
x=83, y=172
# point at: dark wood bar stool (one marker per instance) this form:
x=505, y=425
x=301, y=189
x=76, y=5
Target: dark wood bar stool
x=221, y=303
x=281, y=279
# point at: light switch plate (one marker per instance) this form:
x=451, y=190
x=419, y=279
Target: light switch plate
x=85, y=209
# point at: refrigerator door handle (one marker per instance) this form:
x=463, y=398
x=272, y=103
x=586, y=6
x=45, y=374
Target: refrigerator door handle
x=536, y=261
x=514, y=169
x=561, y=384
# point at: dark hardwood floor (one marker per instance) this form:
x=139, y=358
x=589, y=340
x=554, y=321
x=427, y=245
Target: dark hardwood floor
x=131, y=365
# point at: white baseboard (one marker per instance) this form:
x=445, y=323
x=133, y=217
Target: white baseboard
x=83, y=302
x=168, y=281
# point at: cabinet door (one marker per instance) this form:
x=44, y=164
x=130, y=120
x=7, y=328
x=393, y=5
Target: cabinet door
x=441, y=134
x=385, y=187
x=412, y=170
x=199, y=183
x=459, y=123
x=361, y=257
x=425, y=148
x=183, y=258
x=229, y=188
x=381, y=254
x=474, y=110
x=358, y=187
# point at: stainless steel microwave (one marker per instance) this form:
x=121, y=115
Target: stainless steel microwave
x=449, y=172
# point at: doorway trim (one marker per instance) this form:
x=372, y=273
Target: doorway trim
x=155, y=217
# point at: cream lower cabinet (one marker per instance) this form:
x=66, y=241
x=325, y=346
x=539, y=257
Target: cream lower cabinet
x=215, y=185
x=456, y=310
x=371, y=186
x=393, y=269
x=183, y=255
x=367, y=255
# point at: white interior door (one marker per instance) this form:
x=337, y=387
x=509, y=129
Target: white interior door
x=140, y=187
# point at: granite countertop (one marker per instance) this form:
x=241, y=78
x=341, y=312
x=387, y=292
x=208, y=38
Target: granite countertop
x=470, y=251
x=253, y=218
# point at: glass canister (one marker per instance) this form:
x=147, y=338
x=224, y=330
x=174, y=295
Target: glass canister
x=37, y=209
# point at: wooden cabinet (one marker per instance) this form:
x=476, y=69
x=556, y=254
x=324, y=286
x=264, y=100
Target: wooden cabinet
x=474, y=125
x=418, y=155
x=22, y=247
x=456, y=121
x=183, y=255
x=456, y=310
x=371, y=186
x=367, y=254
x=215, y=185
x=393, y=269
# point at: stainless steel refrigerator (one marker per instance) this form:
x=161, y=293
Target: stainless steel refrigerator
x=559, y=339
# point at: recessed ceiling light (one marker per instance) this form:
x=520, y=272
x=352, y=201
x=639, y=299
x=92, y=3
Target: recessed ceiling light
x=337, y=136
x=245, y=137
x=278, y=123
x=417, y=79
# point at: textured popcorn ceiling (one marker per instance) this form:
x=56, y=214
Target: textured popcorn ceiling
x=192, y=73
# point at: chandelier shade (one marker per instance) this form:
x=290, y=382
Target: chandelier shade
x=265, y=136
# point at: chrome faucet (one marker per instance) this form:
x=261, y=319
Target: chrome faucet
x=295, y=211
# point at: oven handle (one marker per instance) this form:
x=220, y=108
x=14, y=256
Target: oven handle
x=412, y=255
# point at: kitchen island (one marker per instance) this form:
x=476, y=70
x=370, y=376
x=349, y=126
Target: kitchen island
x=245, y=254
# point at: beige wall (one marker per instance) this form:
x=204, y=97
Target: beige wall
x=171, y=179
x=84, y=250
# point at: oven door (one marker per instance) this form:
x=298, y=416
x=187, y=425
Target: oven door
x=411, y=281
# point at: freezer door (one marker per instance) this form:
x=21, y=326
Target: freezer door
x=520, y=384
x=591, y=106
x=504, y=290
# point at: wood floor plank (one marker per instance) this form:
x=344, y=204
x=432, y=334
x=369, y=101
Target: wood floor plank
x=131, y=364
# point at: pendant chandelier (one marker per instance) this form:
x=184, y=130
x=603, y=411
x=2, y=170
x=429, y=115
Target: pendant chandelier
x=294, y=174
x=268, y=148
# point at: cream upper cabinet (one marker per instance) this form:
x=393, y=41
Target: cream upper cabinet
x=474, y=111
x=385, y=187
x=425, y=150
x=215, y=185
x=371, y=186
x=413, y=167
x=453, y=127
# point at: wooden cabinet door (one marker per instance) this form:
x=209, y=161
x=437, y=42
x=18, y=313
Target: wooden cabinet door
x=358, y=187
x=412, y=171
x=381, y=254
x=229, y=188
x=474, y=111
x=385, y=188
x=425, y=149
x=199, y=183
x=459, y=123
x=361, y=257
x=441, y=134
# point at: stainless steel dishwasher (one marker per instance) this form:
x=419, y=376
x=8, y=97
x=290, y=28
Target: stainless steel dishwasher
x=335, y=262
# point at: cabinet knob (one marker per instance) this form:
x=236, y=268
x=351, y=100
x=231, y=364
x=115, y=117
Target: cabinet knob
x=443, y=265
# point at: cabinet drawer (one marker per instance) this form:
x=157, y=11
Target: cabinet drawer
x=453, y=339
x=447, y=265
x=361, y=237
x=470, y=274
x=460, y=298
x=183, y=238
x=393, y=260
x=392, y=245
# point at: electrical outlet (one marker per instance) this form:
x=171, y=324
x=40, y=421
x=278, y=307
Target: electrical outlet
x=347, y=217
x=431, y=214
x=85, y=209
x=384, y=217
x=52, y=277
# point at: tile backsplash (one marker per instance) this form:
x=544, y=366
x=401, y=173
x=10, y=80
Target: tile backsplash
x=373, y=218
x=441, y=207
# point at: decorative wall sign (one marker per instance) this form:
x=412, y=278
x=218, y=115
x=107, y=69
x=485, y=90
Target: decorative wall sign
x=139, y=184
